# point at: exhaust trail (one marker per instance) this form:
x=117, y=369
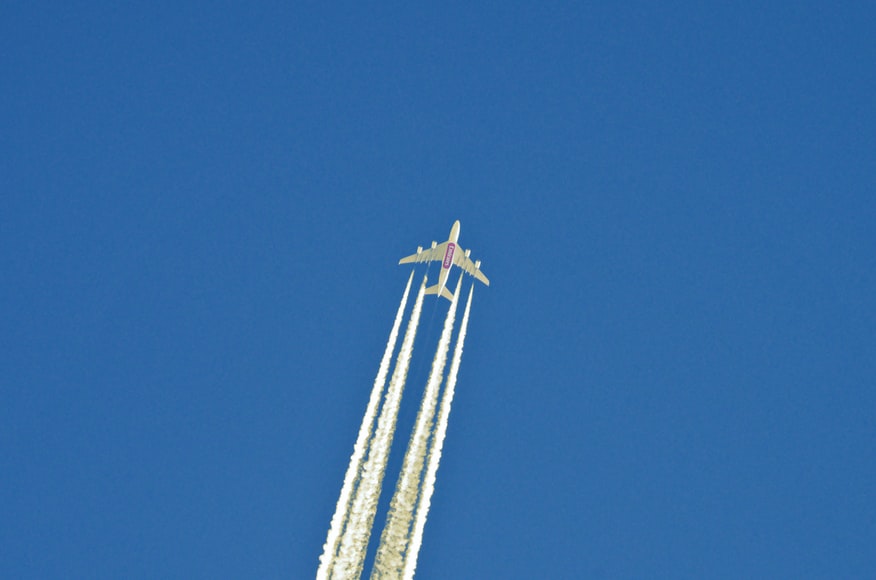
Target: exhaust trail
x=354, y=541
x=435, y=451
x=396, y=533
x=354, y=469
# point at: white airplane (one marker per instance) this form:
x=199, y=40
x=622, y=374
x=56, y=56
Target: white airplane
x=448, y=253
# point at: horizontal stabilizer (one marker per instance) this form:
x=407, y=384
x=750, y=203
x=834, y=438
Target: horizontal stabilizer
x=444, y=291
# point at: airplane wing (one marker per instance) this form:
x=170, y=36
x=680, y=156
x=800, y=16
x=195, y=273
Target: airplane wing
x=427, y=255
x=461, y=260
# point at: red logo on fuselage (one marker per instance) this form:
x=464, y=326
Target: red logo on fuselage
x=448, y=255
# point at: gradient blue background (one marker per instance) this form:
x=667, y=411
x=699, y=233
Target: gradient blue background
x=202, y=206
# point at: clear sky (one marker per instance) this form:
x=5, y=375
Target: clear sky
x=202, y=206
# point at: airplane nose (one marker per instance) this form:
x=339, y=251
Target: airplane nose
x=454, y=231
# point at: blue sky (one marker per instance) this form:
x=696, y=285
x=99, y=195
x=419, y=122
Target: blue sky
x=201, y=212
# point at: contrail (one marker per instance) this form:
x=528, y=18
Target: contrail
x=396, y=533
x=354, y=469
x=354, y=542
x=435, y=450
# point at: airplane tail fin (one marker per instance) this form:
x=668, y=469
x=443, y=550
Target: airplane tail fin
x=444, y=291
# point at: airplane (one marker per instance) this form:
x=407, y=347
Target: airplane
x=448, y=253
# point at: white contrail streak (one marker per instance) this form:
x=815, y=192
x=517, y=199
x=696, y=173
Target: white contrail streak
x=435, y=450
x=396, y=533
x=354, y=542
x=354, y=469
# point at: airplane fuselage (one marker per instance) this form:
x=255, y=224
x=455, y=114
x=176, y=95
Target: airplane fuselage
x=448, y=257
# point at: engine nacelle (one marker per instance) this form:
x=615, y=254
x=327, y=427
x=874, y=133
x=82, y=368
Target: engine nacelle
x=477, y=264
x=467, y=253
x=434, y=243
x=419, y=249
